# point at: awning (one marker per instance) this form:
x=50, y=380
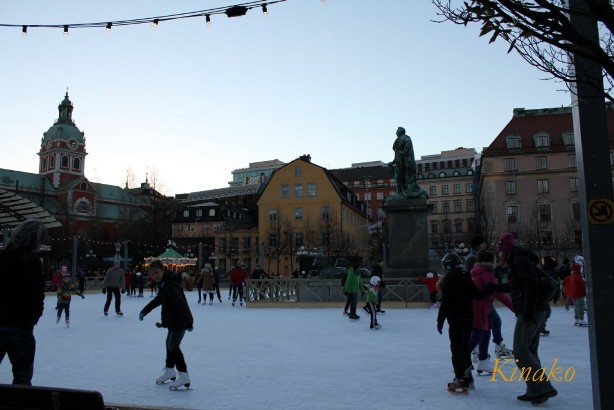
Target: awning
x=15, y=209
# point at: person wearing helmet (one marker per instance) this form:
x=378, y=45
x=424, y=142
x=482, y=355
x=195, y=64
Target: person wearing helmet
x=372, y=299
x=430, y=280
x=457, y=293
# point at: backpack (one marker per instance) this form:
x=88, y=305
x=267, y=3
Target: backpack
x=549, y=286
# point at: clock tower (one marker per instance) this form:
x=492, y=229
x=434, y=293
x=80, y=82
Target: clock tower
x=62, y=153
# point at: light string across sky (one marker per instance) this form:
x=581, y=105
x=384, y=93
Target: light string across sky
x=235, y=10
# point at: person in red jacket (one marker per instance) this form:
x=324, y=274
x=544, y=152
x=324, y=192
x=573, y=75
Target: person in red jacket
x=430, y=280
x=575, y=288
x=237, y=278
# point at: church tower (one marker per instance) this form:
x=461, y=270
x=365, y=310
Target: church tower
x=62, y=153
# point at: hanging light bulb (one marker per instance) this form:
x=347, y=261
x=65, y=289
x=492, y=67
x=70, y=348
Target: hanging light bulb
x=66, y=30
x=109, y=25
x=208, y=20
x=24, y=31
x=265, y=12
x=155, y=23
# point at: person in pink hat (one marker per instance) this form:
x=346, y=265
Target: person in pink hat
x=523, y=285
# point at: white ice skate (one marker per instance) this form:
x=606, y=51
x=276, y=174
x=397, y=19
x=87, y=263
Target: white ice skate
x=485, y=366
x=581, y=323
x=169, y=374
x=183, y=379
x=502, y=352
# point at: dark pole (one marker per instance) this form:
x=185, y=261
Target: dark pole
x=592, y=159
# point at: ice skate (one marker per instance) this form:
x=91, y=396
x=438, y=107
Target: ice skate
x=502, y=352
x=376, y=326
x=183, y=379
x=169, y=374
x=485, y=366
x=57, y=321
x=67, y=323
x=581, y=323
x=434, y=306
x=211, y=302
x=458, y=386
x=119, y=314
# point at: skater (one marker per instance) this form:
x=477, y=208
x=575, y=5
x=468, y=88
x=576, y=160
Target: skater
x=372, y=302
x=530, y=315
x=216, y=283
x=577, y=292
x=430, y=280
x=21, y=297
x=353, y=284
x=208, y=281
x=139, y=282
x=128, y=283
x=112, y=284
x=482, y=274
x=344, y=277
x=198, y=282
x=378, y=270
x=65, y=292
x=237, y=277
x=457, y=294
x=176, y=318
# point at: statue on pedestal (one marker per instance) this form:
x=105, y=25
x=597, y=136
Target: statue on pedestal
x=404, y=168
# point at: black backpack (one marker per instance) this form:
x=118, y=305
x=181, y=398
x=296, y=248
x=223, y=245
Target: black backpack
x=549, y=286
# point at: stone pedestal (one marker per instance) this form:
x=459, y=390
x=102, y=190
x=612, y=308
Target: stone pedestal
x=406, y=230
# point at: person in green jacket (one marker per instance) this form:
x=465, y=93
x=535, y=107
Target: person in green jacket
x=353, y=284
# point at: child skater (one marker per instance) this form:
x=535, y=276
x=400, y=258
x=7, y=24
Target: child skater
x=65, y=291
x=372, y=301
x=457, y=294
x=431, y=284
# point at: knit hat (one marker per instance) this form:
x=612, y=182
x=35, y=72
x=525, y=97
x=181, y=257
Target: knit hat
x=429, y=275
x=506, y=242
x=477, y=241
x=579, y=259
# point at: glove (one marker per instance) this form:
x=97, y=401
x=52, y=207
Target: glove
x=189, y=329
x=104, y=291
x=158, y=325
x=123, y=291
x=440, y=328
x=141, y=316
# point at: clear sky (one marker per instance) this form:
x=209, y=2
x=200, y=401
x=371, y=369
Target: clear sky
x=190, y=104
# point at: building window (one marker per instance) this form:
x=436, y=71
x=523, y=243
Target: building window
x=513, y=142
x=509, y=164
x=247, y=244
x=469, y=188
x=234, y=244
x=311, y=189
x=510, y=187
x=272, y=239
x=546, y=238
x=542, y=186
x=568, y=139
x=285, y=191
x=458, y=226
x=442, y=174
x=222, y=243
x=186, y=213
x=298, y=214
x=367, y=196
x=445, y=207
x=469, y=205
x=575, y=211
x=272, y=215
x=379, y=196
x=444, y=190
x=456, y=188
x=573, y=184
x=298, y=190
x=76, y=163
x=571, y=160
x=325, y=212
x=299, y=240
x=457, y=206
x=199, y=212
x=545, y=213
x=432, y=190
x=190, y=228
x=541, y=140
x=298, y=171
x=212, y=212
x=52, y=162
x=64, y=161
x=434, y=207
x=511, y=212
x=434, y=227
x=456, y=174
x=541, y=162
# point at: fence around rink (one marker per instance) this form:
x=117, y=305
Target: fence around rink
x=398, y=291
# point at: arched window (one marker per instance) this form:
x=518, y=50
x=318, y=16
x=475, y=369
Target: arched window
x=442, y=174
x=44, y=164
x=76, y=163
x=83, y=186
x=64, y=161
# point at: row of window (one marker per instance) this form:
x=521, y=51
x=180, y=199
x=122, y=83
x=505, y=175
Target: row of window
x=541, y=162
x=543, y=186
x=64, y=163
x=540, y=140
x=298, y=239
x=444, y=175
x=298, y=213
x=544, y=212
x=457, y=206
x=447, y=226
x=298, y=190
x=456, y=189
x=457, y=163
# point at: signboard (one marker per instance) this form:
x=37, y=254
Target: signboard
x=601, y=211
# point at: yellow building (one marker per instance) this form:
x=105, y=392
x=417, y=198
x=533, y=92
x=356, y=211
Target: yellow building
x=305, y=208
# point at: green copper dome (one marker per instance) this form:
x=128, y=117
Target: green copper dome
x=64, y=128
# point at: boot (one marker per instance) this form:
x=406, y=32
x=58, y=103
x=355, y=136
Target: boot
x=485, y=366
x=183, y=379
x=169, y=374
x=502, y=352
x=458, y=386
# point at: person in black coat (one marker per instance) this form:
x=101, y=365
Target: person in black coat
x=176, y=317
x=22, y=296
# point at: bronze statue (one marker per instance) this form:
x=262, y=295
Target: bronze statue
x=404, y=168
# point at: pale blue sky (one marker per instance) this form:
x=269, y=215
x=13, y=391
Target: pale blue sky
x=331, y=79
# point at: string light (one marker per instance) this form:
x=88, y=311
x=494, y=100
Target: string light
x=24, y=30
x=155, y=23
x=236, y=10
x=265, y=11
